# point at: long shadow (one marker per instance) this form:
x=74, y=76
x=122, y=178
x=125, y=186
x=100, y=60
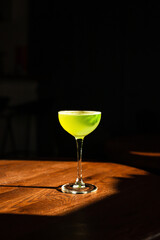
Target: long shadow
x=43, y=187
x=133, y=213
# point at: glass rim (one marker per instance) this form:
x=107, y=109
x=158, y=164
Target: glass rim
x=79, y=111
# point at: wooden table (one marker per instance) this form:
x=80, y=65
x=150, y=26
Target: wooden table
x=126, y=205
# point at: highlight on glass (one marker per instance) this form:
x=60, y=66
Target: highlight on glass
x=79, y=124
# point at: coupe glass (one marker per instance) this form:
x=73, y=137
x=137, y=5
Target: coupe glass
x=79, y=124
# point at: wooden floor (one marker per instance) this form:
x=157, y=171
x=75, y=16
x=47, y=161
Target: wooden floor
x=126, y=205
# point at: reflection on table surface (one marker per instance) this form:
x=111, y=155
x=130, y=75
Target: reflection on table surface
x=126, y=205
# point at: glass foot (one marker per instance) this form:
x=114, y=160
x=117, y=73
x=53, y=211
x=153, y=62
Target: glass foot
x=75, y=189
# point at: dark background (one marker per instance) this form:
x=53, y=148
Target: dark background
x=77, y=56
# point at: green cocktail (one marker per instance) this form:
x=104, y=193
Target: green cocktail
x=79, y=124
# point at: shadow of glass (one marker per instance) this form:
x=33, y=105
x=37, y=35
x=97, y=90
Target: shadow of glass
x=43, y=187
x=132, y=213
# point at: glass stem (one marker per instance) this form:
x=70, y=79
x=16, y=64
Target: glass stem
x=79, y=181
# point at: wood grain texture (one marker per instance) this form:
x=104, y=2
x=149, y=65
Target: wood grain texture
x=126, y=205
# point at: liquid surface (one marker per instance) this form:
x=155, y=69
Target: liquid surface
x=79, y=123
